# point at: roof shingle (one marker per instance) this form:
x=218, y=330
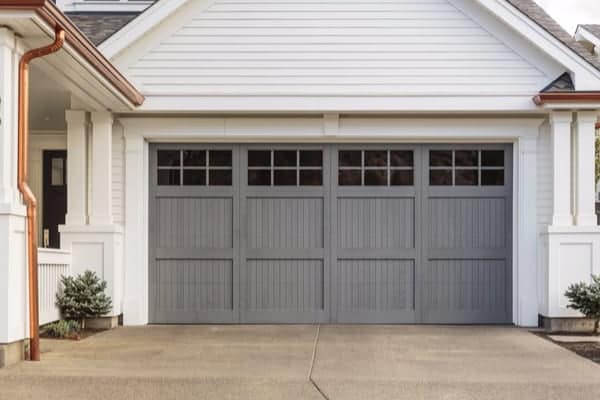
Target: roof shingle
x=593, y=29
x=100, y=26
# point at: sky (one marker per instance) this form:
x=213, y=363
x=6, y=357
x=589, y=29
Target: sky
x=569, y=13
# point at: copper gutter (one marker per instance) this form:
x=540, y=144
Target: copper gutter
x=566, y=97
x=28, y=196
x=50, y=13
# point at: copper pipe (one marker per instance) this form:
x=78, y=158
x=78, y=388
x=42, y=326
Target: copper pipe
x=28, y=196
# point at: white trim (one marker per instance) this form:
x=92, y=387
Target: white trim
x=134, y=30
x=103, y=5
x=587, y=77
x=584, y=35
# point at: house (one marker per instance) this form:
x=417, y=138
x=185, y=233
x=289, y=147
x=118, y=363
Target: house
x=303, y=162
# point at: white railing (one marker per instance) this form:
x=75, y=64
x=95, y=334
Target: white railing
x=52, y=264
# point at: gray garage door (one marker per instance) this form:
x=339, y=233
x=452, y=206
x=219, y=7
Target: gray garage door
x=330, y=233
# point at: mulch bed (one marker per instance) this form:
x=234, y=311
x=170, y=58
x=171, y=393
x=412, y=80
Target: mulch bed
x=83, y=334
x=589, y=350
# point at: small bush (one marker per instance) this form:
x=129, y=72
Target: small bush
x=61, y=329
x=83, y=297
x=585, y=298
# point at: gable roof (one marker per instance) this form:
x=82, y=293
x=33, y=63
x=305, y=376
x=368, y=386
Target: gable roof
x=100, y=26
x=536, y=13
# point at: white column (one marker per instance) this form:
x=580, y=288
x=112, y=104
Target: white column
x=13, y=270
x=585, y=194
x=135, y=305
x=560, y=130
x=527, y=299
x=76, y=168
x=101, y=213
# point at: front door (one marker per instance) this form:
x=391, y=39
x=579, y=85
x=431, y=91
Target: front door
x=54, y=196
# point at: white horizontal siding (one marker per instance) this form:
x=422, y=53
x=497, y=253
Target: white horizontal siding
x=332, y=47
x=544, y=178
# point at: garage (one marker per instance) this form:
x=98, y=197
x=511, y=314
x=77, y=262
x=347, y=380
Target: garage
x=348, y=233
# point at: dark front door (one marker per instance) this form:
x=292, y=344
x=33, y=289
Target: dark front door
x=55, y=196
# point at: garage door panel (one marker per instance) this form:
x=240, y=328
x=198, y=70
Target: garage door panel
x=194, y=285
x=376, y=285
x=292, y=285
x=201, y=223
x=457, y=290
x=467, y=223
x=285, y=223
x=376, y=223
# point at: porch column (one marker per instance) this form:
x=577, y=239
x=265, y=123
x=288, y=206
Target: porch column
x=585, y=195
x=560, y=131
x=101, y=169
x=14, y=326
x=76, y=168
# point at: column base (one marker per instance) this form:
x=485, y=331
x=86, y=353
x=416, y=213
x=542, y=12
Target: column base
x=12, y=353
x=566, y=325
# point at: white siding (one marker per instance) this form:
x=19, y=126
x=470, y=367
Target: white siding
x=331, y=47
x=544, y=178
x=118, y=175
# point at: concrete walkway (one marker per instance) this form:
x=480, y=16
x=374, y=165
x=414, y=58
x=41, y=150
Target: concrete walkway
x=304, y=362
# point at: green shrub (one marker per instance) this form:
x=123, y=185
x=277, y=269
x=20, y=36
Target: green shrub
x=83, y=297
x=61, y=329
x=585, y=298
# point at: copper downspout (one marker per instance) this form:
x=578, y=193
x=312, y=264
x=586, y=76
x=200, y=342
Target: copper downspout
x=28, y=196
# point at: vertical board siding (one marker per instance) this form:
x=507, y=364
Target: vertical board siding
x=467, y=223
x=285, y=223
x=376, y=285
x=200, y=223
x=465, y=285
x=292, y=285
x=49, y=284
x=376, y=223
x=194, y=285
x=332, y=47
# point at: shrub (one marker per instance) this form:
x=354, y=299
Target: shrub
x=61, y=329
x=83, y=297
x=585, y=298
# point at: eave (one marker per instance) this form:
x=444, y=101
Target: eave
x=50, y=14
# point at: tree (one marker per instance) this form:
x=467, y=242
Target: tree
x=83, y=297
x=585, y=298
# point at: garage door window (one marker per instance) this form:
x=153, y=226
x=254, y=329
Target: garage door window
x=195, y=167
x=285, y=167
x=375, y=168
x=466, y=167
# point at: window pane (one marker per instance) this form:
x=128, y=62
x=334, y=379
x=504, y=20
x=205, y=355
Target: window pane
x=440, y=177
x=194, y=158
x=492, y=158
x=259, y=177
x=168, y=177
x=168, y=158
x=377, y=158
x=311, y=178
x=402, y=178
x=259, y=158
x=285, y=158
x=311, y=158
x=220, y=177
x=350, y=158
x=285, y=178
x=349, y=177
x=402, y=158
x=466, y=158
x=492, y=177
x=57, y=172
x=440, y=158
x=220, y=158
x=376, y=178
x=466, y=177
x=194, y=177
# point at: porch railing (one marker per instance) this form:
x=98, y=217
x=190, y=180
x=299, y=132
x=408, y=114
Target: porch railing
x=52, y=264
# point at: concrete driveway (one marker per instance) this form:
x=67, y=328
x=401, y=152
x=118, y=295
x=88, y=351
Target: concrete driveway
x=305, y=362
